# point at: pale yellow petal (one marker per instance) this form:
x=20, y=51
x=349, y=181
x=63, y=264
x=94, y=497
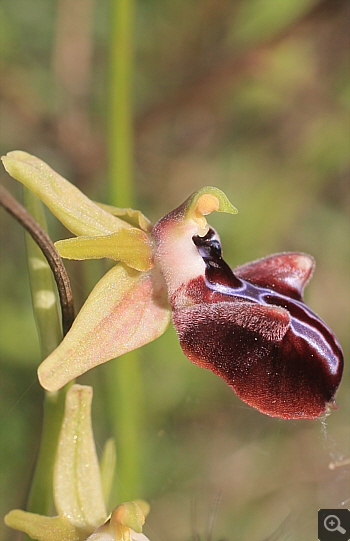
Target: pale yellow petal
x=76, y=211
x=125, y=310
x=45, y=528
x=133, y=217
x=131, y=246
x=77, y=480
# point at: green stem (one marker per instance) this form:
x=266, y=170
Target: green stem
x=123, y=375
x=47, y=319
x=41, y=490
x=120, y=129
x=124, y=387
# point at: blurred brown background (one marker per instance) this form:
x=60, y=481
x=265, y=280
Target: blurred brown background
x=251, y=96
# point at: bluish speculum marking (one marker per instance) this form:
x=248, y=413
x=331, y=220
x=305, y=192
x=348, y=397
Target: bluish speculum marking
x=303, y=321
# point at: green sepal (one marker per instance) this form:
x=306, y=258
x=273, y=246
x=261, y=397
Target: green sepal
x=77, y=483
x=125, y=310
x=46, y=528
x=76, y=211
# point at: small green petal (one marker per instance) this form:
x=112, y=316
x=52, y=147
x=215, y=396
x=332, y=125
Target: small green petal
x=77, y=480
x=207, y=200
x=45, y=528
x=76, y=211
x=128, y=514
x=133, y=217
x=126, y=310
x=131, y=246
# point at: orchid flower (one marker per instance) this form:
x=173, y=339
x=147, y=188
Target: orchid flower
x=250, y=326
x=78, y=488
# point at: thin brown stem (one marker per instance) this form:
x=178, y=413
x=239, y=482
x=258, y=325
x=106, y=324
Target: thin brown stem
x=47, y=247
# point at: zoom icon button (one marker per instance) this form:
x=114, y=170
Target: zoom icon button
x=334, y=524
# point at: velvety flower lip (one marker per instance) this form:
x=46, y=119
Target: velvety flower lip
x=251, y=326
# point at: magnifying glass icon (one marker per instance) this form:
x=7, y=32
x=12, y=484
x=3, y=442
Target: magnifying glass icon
x=332, y=524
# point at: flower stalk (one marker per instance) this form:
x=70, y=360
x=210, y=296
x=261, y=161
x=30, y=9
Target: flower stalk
x=120, y=131
x=123, y=379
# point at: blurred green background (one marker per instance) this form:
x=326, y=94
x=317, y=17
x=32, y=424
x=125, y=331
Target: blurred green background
x=251, y=96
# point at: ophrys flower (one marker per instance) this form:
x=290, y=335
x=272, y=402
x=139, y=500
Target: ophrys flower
x=250, y=326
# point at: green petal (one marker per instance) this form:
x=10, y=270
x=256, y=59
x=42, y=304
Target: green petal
x=131, y=246
x=205, y=201
x=76, y=211
x=125, y=310
x=128, y=514
x=133, y=217
x=77, y=480
x=45, y=528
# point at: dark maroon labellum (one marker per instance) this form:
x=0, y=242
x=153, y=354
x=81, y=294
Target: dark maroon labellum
x=253, y=329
